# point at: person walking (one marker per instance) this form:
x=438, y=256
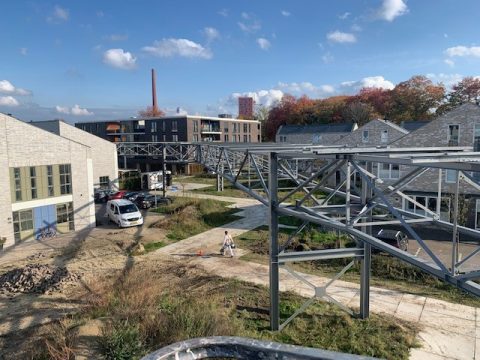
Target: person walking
x=228, y=244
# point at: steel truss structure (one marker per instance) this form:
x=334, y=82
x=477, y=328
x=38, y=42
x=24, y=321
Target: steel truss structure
x=267, y=171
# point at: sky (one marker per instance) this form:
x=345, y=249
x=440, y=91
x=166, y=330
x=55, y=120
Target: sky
x=91, y=60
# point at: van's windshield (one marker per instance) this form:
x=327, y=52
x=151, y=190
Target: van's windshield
x=130, y=208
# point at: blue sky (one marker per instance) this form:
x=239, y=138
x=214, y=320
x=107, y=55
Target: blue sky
x=89, y=60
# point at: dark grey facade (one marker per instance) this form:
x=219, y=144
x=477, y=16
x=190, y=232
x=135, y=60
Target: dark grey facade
x=321, y=134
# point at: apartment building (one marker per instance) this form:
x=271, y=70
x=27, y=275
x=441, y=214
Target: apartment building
x=182, y=128
x=47, y=182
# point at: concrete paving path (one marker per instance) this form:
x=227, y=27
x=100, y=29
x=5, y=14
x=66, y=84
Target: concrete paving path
x=448, y=331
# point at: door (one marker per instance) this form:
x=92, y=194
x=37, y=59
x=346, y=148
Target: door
x=44, y=217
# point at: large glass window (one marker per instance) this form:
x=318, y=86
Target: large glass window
x=153, y=125
x=65, y=215
x=174, y=137
x=195, y=125
x=18, y=184
x=453, y=135
x=65, y=179
x=450, y=176
x=33, y=182
x=22, y=221
x=50, y=188
x=384, y=136
x=245, y=127
x=174, y=125
x=104, y=181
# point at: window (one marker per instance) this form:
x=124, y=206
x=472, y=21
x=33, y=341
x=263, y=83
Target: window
x=18, y=184
x=164, y=137
x=245, y=138
x=174, y=125
x=50, y=188
x=388, y=171
x=65, y=215
x=175, y=137
x=225, y=137
x=195, y=137
x=163, y=125
x=195, y=125
x=453, y=131
x=154, y=138
x=384, y=136
x=153, y=125
x=33, y=182
x=249, y=127
x=365, y=136
x=283, y=138
x=22, y=221
x=249, y=138
x=225, y=129
x=104, y=181
x=476, y=137
x=450, y=176
x=245, y=127
x=234, y=127
x=234, y=138
x=65, y=179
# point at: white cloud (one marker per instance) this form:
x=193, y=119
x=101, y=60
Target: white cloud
x=78, y=111
x=261, y=97
x=23, y=51
x=344, y=16
x=223, y=12
x=447, y=79
x=341, y=37
x=306, y=88
x=8, y=101
x=251, y=27
x=59, y=15
x=445, y=36
x=245, y=16
x=178, y=47
x=449, y=62
x=463, y=51
x=263, y=43
x=391, y=9
x=119, y=59
x=356, y=28
x=116, y=37
x=211, y=34
x=285, y=13
x=7, y=87
x=367, y=82
x=62, y=109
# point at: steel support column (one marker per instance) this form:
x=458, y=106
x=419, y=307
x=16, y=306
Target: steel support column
x=164, y=170
x=273, y=222
x=365, y=263
x=455, y=224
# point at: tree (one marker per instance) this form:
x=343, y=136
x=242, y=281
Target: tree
x=465, y=91
x=380, y=99
x=416, y=99
x=359, y=112
x=150, y=112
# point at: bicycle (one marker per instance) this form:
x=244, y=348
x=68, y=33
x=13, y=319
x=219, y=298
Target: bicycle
x=46, y=233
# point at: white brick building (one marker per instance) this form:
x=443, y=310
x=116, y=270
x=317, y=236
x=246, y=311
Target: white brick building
x=46, y=184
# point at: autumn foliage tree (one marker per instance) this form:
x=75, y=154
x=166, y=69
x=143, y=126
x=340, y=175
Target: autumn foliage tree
x=465, y=91
x=151, y=112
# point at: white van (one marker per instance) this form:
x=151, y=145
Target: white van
x=124, y=213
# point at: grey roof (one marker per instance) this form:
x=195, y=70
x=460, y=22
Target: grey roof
x=315, y=129
x=413, y=125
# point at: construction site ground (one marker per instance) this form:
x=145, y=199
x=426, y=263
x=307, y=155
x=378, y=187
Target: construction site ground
x=448, y=331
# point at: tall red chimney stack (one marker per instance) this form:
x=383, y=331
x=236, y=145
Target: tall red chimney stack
x=154, y=93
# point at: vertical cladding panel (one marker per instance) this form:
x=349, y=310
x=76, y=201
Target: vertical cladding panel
x=6, y=226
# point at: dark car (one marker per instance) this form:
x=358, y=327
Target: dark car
x=131, y=195
x=394, y=238
x=148, y=201
x=100, y=196
x=117, y=195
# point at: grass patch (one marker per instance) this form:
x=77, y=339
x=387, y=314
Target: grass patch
x=190, y=216
x=387, y=271
x=182, y=302
x=153, y=246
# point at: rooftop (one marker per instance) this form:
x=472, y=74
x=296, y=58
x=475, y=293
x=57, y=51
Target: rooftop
x=315, y=129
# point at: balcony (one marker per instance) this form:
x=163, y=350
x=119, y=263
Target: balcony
x=210, y=130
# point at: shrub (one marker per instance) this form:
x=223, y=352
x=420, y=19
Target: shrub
x=121, y=341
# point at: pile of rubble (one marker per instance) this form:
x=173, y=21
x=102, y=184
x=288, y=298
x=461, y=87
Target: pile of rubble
x=39, y=279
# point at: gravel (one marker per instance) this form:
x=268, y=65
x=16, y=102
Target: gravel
x=36, y=279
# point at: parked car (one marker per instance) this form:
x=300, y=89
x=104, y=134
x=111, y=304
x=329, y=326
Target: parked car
x=394, y=237
x=100, y=196
x=117, y=195
x=124, y=213
x=149, y=201
x=129, y=195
